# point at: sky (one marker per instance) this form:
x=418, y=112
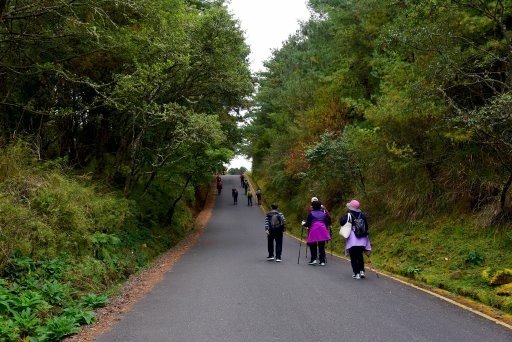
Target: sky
x=266, y=24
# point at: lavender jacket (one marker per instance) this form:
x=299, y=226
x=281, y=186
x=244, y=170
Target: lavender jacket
x=317, y=222
x=353, y=240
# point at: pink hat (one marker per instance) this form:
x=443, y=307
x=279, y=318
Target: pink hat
x=354, y=205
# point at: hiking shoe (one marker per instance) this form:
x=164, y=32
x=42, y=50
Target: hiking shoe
x=356, y=276
x=270, y=258
x=361, y=274
x=314, y=262
x=278, y=260
x=322, y=264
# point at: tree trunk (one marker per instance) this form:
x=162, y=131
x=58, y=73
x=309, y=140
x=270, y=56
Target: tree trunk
x=3, y=3
x=102, y=139
x=503, y=196
x=170, y=212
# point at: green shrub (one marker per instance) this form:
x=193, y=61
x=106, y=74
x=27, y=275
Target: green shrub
x=58, y=327
x=9, y=331
x=474, y=258
x=93, y=301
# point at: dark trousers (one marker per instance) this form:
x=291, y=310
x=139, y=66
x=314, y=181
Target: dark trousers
x=278, y=237
x=316, y=247
x=249, y=201
x=356, y=258
x=235, y=199
x=259, y=199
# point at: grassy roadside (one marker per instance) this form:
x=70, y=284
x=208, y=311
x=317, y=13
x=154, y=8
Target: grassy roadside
x=67, y=242
x=453, y=257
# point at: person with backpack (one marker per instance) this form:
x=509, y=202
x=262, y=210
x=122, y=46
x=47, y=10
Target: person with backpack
x=249, y=198
x=358, y=241
x=258, y=196
x=317, y=223
x=274, y=228
x=246, y=186
x=242, y=180
x=219, y=187
x=234, y=193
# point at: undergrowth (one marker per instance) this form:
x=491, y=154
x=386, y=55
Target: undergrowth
x=66, y=242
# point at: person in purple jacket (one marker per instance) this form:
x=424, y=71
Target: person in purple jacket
x=356, y=246
x=317, y=223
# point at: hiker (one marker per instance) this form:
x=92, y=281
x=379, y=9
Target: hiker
x=242, y=180
x=218, y=178
x=246, y=186
x=234, y=193
x=274, y=227
x=358, y=241
x=219, y=187
x=258, y=196
x=249, y=198
x=324, y=209
x=317, y=223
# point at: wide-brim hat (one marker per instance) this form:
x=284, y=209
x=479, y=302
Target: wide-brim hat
x=354, y=205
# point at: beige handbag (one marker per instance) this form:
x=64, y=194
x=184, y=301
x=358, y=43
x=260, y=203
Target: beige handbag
x=346, y=228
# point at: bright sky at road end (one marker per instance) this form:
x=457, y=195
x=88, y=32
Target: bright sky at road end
x=266, y=25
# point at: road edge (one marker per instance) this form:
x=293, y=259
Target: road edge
x=141, y=284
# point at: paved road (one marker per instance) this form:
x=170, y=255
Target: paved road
x=223, y=289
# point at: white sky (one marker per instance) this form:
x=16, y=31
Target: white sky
x=267, y=24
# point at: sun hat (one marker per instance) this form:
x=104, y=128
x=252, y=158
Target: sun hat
x=354, y=205
x=314, y=199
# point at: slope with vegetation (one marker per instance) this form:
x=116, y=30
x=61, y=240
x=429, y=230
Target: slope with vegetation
x=407, y=106
x=113, y=117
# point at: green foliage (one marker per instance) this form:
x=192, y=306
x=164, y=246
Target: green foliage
x=412, y=271
x=94, y=301
x=474, y=258
x=80, y=315
x=27, y=321
x=58, y=327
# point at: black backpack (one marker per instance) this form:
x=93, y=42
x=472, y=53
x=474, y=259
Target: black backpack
x=359, y=227
x=276, y=222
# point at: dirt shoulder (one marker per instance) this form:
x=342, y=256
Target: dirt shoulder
x=140, y=284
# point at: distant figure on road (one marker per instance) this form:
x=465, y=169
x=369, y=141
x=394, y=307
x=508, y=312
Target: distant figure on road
x=317, y=223
x=242, y=180
x=246, y=186
x=274, y=227
x=218, y=178
x=358, y=241
x=258, y=196
x=249, y=198
x=234, y=193
x=219, y=187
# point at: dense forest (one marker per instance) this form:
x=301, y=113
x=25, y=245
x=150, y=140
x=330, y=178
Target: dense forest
x=113, y=117
x=406, y=106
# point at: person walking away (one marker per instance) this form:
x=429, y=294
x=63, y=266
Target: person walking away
x=275, y=225
x=249, y=198
x=246, y=186
x=234, y=193
x=258, y=196
x=219, y=187
x=242, y=180
x=317, y=223
x=218, y=178
x=358, y=241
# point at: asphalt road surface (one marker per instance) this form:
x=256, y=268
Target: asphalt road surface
x=223, y=289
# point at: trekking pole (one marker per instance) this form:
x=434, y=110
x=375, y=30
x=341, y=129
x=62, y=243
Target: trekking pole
x=300, y=245
x=330, y=233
